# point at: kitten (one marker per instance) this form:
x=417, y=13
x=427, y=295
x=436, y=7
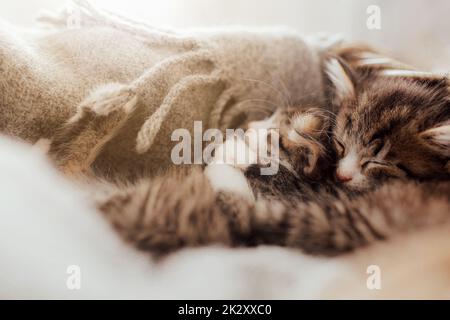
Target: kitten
x=390, y=123
x=302, y=205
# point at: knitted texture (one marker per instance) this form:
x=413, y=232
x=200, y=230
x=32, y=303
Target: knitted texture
x=217, y=76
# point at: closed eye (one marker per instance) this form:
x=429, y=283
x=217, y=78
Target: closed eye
x=384, y=168
x=340, y=148
x=375, y=162
x=405, y=170
x=376, y=146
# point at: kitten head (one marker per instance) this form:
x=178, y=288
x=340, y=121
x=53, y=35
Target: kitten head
x=304, y=135
x=390, y=123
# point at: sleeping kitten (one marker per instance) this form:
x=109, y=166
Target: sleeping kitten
x=390, y=123
x=302, y=205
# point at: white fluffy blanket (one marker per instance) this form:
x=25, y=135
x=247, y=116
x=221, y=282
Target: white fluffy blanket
x=46, y=228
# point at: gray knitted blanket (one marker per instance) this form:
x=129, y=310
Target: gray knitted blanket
x=220, y=77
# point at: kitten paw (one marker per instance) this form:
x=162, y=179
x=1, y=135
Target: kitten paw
x=236, y=152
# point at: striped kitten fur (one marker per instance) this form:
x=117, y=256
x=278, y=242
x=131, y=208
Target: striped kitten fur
x=390, y=123
x=173, y=212
x=379, y=167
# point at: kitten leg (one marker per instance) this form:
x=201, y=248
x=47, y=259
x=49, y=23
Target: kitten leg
x=338, y=224
x=173, y=212
x=177, y=211
x=97, y=120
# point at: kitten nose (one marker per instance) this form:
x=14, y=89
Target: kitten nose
x=343, y=177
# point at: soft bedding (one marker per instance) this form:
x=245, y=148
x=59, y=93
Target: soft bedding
x=54, y=244
x=47, y=228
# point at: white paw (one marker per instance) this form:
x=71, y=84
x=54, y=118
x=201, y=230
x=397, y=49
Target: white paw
x=235, y=152
x=227, y=178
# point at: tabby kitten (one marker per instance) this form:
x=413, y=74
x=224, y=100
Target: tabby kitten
x=390, y=123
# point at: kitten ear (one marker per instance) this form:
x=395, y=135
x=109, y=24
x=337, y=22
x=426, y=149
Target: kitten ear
x=438, y=138
x=341, y=80
x=430, y=79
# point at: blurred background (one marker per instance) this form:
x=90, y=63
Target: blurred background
x=415, y=31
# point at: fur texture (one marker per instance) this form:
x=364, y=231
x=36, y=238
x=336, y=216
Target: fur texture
x=389, y=124
x=174, y=212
